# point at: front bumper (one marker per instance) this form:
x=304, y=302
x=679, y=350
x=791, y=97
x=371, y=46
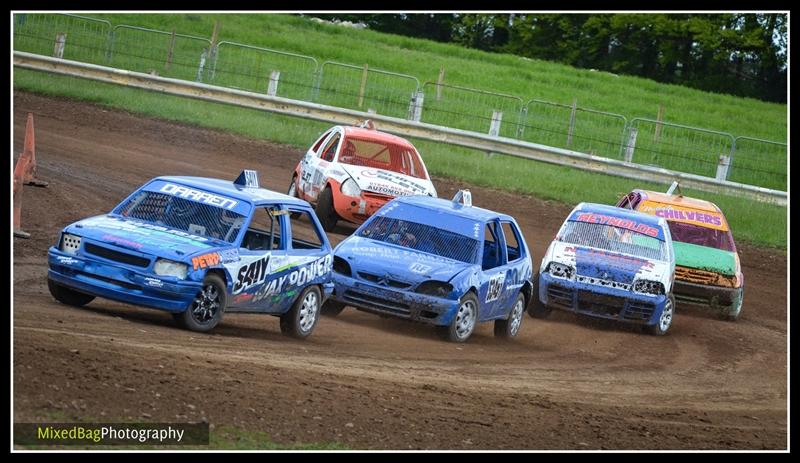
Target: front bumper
x=357, y=209
x=387, y=301
x=599, y=301
x=120, y=283
x=716, y=297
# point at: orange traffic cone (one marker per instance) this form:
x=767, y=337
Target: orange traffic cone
x=25, y=174
x=30, y=151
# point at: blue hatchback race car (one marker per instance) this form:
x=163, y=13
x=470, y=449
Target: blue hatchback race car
x=200, y=247
x=436, y=261
x=609, y=263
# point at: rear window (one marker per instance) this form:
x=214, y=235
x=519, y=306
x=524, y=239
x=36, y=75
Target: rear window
x=423, y=238
x=382, y=155
x=614, y=239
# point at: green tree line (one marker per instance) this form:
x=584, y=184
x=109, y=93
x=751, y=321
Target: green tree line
x=743, y=54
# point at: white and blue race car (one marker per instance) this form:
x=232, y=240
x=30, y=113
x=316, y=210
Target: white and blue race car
x=197, y=248
x=610, y=263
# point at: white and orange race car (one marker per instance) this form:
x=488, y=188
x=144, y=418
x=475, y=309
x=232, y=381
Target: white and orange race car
x=350, y=172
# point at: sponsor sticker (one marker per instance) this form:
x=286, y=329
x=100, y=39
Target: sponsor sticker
x=154, y=282
x=707, y=219
x=416, y=267
x=627, y=224
x=199, y=196
x=66, y=260
x=206, y=260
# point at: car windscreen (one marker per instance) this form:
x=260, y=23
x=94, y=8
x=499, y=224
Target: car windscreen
x=423, y=238
x=182, y=214
x=701, y=236
x=614, y=239
x=382, y=155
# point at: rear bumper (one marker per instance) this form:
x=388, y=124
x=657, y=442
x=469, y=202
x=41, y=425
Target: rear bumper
x=715, y=297
x=120, y=283
x=601, y=302
x=398, y=303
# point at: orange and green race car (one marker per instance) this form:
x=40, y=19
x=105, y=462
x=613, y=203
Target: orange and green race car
x=707, y=268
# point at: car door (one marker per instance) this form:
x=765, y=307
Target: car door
x=493, y=271
x=263, y=245
x=316, y=164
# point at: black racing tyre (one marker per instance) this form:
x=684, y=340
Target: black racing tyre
x=735, y=311
x=325, y=211
x=463, y=324
x=301, y=319
x=510, y=327
x=665, y=320
x=67, y=295
x=208, y=306
x=332, y=308
x=535, y=307
x=292, y=191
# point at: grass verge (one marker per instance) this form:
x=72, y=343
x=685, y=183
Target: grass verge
x=751, y=221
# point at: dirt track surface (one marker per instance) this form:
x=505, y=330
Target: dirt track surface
x=365, y=381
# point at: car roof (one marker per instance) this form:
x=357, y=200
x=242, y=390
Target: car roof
x=621, y=213
x=451, y=207
x=371, y=134
x=677, y=200
x=228, y=188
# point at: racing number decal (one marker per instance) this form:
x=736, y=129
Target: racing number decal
x=251, y=274
x=495, y=287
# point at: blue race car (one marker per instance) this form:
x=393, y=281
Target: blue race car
x=197, y=248
x=436, y=261
x=610, y=263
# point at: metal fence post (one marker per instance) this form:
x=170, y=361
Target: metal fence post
x=523, y=115
x=58, y=49
x=202, y=64
x=722, y=167
x=631, y=145
x=415, y=108
x=494, y=128
x=274, y=77
x=571, y=129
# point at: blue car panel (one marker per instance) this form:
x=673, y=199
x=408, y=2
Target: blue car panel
x=158, y=247
x=418, y=257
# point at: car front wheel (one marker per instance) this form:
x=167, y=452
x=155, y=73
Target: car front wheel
x=207, y=308
x=463, y=324
x=67, y=295
x=325, y=211
x=665, y=320
x=535, y=308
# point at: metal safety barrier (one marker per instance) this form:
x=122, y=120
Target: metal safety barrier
x=396, y=125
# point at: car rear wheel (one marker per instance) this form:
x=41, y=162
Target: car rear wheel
x=301, y=319
x=67, y=295
x=463, y=324
x=325, y=211
x=208, y=306
x=510, y=328
x=535, y=307
x=665, y=320
x=332, y=308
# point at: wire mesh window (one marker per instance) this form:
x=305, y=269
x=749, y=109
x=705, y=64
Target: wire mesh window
x=614, y=239
x=423, y=238
x=382, y=155
x=184, y=215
